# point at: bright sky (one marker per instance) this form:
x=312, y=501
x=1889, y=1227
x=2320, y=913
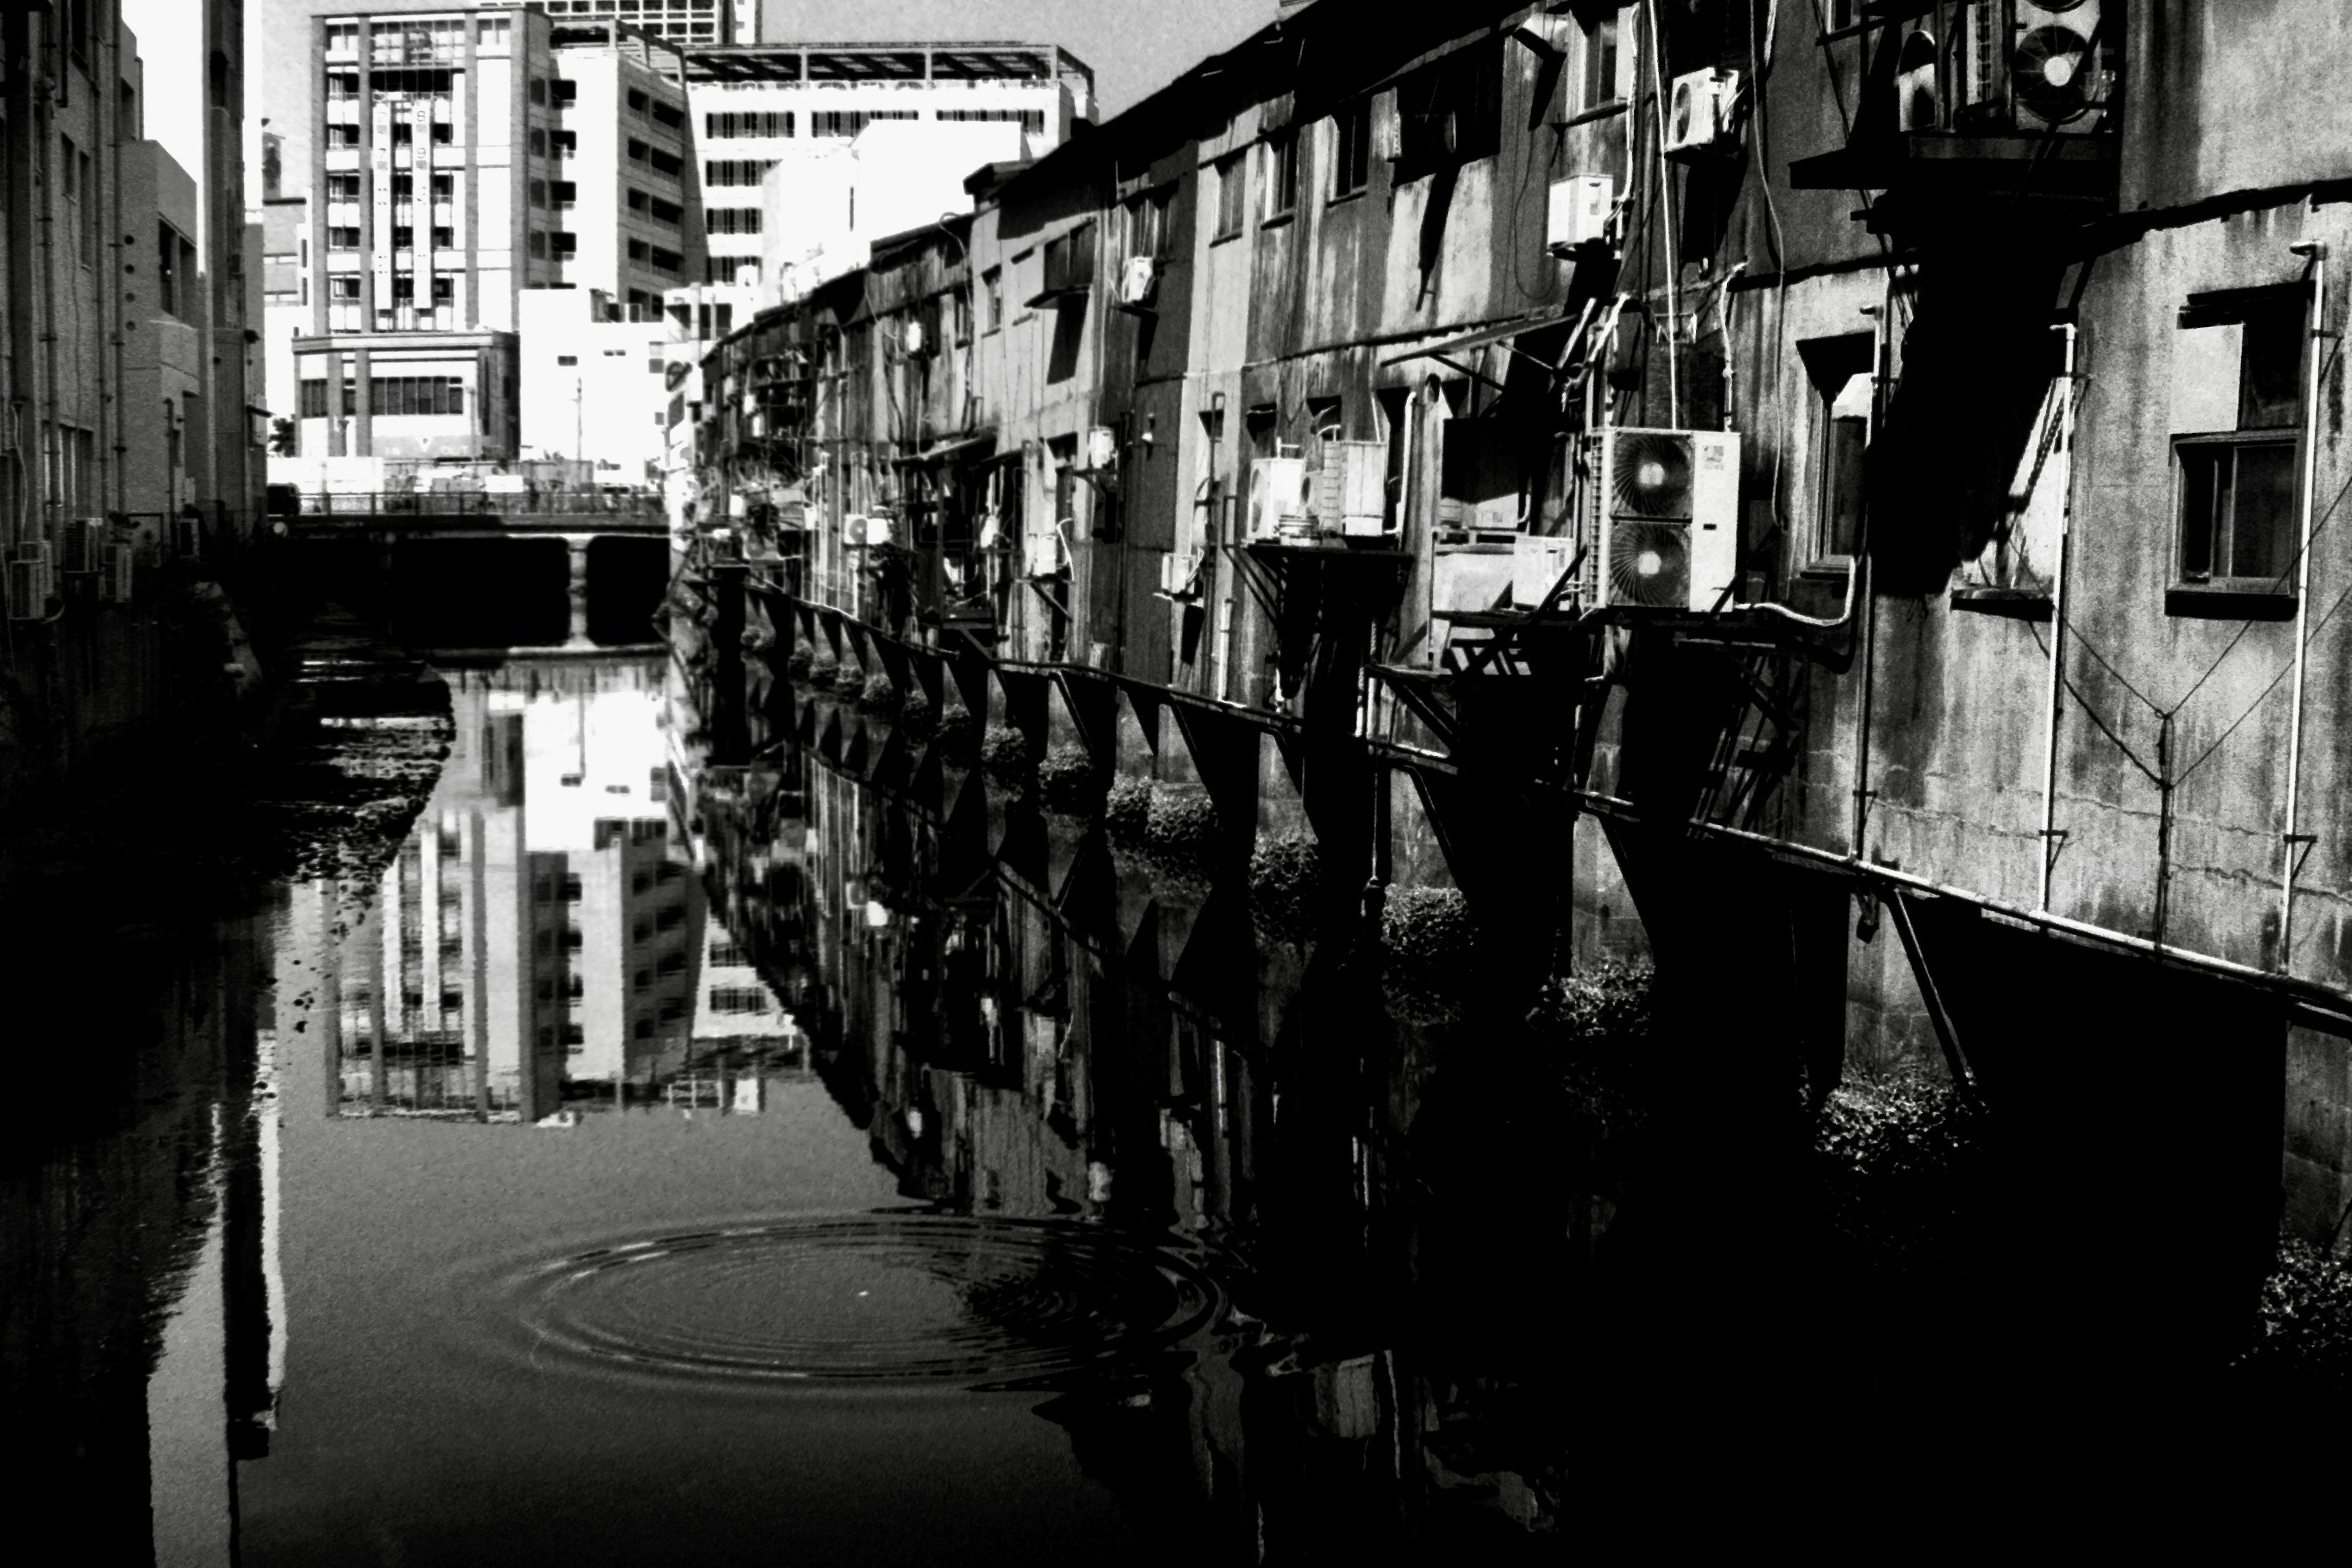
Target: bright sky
x=1133, y=45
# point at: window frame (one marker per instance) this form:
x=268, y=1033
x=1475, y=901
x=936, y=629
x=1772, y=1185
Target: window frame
x=1279, y=194
x=1231, y=171
x=1351, y=150
x=2270, y=317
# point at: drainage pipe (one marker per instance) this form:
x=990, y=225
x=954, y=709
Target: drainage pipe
x=2057, y=686
x=2317, y=251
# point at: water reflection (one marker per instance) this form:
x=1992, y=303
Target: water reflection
x=540, y=945
x=771, y=1142
x=1028, y=1022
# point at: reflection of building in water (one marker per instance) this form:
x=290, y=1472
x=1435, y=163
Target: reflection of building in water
x=1028, y=1023
x=540, y=928
x=742, y=1035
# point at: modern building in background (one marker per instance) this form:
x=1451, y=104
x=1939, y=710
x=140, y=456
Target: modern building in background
x=693, y=23
x=464, y=158
x=594, y=385
x=781, y=128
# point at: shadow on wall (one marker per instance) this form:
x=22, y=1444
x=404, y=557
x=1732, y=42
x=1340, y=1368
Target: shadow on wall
x=1977, y=362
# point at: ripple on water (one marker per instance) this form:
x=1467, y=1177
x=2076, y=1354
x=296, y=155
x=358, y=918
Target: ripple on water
x=867, y=1297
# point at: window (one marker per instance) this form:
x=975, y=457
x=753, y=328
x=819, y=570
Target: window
x=445, y=187
x=991, y=288
x=167, y=252
x=1232, y=188
x=344, y=285
x=431, y=394
x=538, y=142
x=494, y=33
x=1450, y=111
x=563, y=192
x=2237, y=415
x=850, y=122
x=1351, y=149
x=342, y=39
x=539, y=193
x=343, y=135
x=1146, y=225
x=1282, y=174
x=736, y=170
x=732, y=220
x=1840, y=371
x=539, y=90
x=1600, y=58
x=730, y=127
x=343, y=187
x=567, y=359
x=668, y=163
x=738, y=999
x=562, y=242
x=638, y=150
x=637, y=249
x=342, y=84
x=668, y=116
x=1031, y=121
x=538, y=244
x=639, y=101
x=562, y=143
x=443, y=238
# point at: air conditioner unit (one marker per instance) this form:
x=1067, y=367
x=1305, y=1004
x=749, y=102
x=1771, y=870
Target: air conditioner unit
x=30, y=582
x=1102, y=446
x=1277, y=499
x=1984, y=59
x=877, y=530
x=115, y=577
x=1919, y=102
x=1665, y=505
x=916, y=339
x=1536, y=561
x=2058, y=73
x=1699, y=118
x=82, y=544
x=1579, y=212
x=1350, y=492
x=1139, y=281
x=853, y=531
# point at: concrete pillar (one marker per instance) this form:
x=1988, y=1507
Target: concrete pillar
x=577, y=544
x=363, y=417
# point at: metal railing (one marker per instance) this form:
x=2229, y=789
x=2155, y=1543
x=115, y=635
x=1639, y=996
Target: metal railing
x=481, y=505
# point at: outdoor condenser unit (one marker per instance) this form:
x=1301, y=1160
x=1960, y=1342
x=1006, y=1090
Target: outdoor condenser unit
x=81, y=545
x=30, y=583
x=1277, y=499
x=2057, y=68
x=1350, y=492
x=1699, y=121
x=1578, y=215
x=1139, y=279
x=1663, y=508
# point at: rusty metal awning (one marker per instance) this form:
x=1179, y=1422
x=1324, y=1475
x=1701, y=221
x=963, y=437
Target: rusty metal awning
x=1484, y=337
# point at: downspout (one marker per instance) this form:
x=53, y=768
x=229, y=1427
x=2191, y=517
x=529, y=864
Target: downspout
x=1667, y=215
x=2056, y=687
x=2317, y=251
x=1857, y=579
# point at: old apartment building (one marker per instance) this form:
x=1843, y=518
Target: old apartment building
x=133, y=443
x=1864, y=481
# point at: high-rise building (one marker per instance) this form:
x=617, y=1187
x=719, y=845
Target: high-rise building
x=463, y=158
x=805, y=107
x=692, y=22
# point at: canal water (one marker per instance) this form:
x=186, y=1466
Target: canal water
x=639, y=1114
